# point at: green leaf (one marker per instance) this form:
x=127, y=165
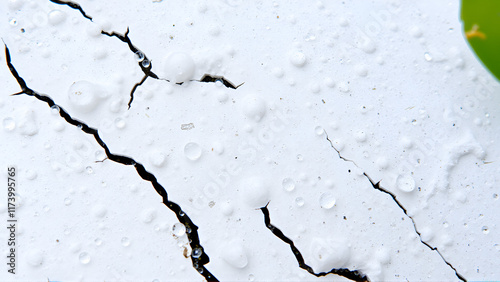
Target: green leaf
x=481, y=24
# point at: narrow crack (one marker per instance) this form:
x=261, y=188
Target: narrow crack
x=354, y=275
x=215, y=78
x=198, y=257
x=377, y=186
x=73, y=5
x=144, y=63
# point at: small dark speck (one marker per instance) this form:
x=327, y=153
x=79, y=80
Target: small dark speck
x=23, y=30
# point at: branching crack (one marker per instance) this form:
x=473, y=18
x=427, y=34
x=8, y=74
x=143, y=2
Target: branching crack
x=377, y=186
x=143, y=61
x=73, y=5
x=198, y=257
x=354, y=275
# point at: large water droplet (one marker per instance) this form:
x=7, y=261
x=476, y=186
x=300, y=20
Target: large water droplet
x=197, y=252
x=288, y=184
x=405, y=183
x=327, y=200
x=125, y=241
x=192, y=151
x=179, y=229
x=84, y=258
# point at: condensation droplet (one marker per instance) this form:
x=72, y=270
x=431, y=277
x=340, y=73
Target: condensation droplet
x=298, y=59
x=319, y=130
x=84, y=258
x=31, y=174
x=179, y=229
x=288, y=184
x=98, y=241
x=192, y=151
x=427, y=56
x=299, y=201
x=405, y=183
x=125, y=241
x=485, y=229
x=67, y=201
x=119, y=123
x=300, y=158
x=9, y=124
x=146, y=63
x=197, y=252
x=327, y=200
x=139, y=56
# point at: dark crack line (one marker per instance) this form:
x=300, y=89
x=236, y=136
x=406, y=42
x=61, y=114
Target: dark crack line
x=72, y=5
x=377, y=186
x=144, y=63
x=354, y=275
x=214, y=78
x=198, y=257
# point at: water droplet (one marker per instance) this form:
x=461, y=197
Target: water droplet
x=251, y=277
x=98, y=241
x=327, y=200
x=497, y=247
x=139, y=56
x=84, y=258
x=299, y=201
x=288, y=184
x=55, y=109
x=146, y=63
x=89, y=169
x=179, y=67
x=84, y=96
x=427, y=56
x=179, y=229
x=235, y=254
x=9, y=124
x=125, y=241
x=148, y=215
x=405, y=183
x=56, y=17
x=192, y=151
x=300, y=158
x=67, y=201
x=343, y=87
x=254, y=107
x=197, y=252
x=485, y=229
x=360, y=136
x=31, y=174
x=119, y=123
x=298, y=59
x=278, y=72
x=361, y=70
x=319, y=130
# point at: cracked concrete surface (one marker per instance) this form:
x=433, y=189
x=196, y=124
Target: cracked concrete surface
x=437, y=159
x=198, y=256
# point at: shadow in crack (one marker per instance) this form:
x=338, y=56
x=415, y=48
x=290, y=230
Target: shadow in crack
x=354, y=275
x=198, y=257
